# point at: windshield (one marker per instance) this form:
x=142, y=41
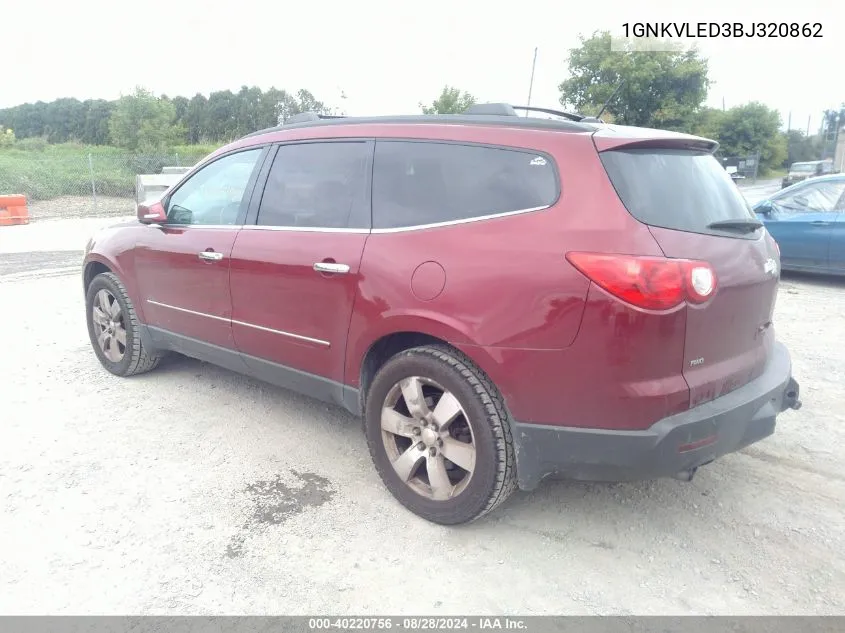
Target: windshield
x=802, y=167
x=676, y=189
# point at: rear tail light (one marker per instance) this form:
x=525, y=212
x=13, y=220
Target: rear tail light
x=653, y=283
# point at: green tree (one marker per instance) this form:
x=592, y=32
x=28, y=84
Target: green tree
x=708, y=123
x=663, y=89
x=753, y=127
x=248, y=113
x=194, y=119
x=96, y=128
x=800, y=147
x=303, y=101
x=141, y=121
x=450, y=101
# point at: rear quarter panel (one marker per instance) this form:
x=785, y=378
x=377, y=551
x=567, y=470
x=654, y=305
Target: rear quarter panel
x=510, y=300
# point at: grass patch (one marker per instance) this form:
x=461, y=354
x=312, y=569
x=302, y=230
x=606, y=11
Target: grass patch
x=42, y=172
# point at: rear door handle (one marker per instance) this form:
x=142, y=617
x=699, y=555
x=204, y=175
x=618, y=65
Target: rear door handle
x=210, y=256
x=331, y=267
x=820, y=222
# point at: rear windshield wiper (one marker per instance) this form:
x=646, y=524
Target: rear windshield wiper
x=741, y=226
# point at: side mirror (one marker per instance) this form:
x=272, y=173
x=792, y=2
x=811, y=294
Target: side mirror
x=152, y=213
x=764, y=208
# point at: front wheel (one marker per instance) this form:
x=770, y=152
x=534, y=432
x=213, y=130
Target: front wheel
x=113, y=328
x=438, y=434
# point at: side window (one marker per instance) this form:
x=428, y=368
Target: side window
x=814, y=197
x=418, y=183
x=215, y=193
x=317, y=185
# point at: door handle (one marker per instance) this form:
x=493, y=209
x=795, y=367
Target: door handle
x=210, y=256
x=331, y=267
x=820, y=222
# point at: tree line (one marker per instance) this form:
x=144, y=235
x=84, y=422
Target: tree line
x=142, y=120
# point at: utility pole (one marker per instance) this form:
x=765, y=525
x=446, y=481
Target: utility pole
x=808, y=124
x=789, y=123
x=531, y=84
x=723, y=104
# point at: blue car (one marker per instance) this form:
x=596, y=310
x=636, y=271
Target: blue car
x=807, y=220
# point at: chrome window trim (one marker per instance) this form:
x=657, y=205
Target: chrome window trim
x=400, y=229
x=298, y=337
x=478, y=218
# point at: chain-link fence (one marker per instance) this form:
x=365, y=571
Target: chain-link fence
x=742, y=168
x=81, y=184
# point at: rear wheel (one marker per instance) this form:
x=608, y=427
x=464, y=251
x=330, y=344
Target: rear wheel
x=438, y=435
x=114, y=329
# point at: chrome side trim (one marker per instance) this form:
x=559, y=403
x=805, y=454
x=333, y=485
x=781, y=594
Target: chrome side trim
x=230, y=227
x=185, y=310
x=301, y=229
x=298, y=337
x=252, y=325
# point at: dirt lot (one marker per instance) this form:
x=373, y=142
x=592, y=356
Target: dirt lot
x=195, y=490
x=67, y=207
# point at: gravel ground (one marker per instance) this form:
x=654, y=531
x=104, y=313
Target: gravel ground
x=193, y=490
x=67, y=207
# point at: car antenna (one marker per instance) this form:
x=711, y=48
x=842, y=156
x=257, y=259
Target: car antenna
x=607, y=103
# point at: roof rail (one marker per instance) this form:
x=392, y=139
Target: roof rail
x=495, y=109
x=505, y=109
x=303, y=117
x=572, y=116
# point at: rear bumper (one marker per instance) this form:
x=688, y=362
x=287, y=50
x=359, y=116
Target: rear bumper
x=673, y=447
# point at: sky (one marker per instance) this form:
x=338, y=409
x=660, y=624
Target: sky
x=386, y=57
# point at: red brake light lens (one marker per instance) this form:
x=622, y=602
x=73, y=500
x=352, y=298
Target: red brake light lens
x=653, y=283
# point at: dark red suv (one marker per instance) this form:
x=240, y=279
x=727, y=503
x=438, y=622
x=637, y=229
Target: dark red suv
x=501, y=297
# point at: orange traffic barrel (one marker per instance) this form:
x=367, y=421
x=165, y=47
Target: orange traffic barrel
x=13, y=210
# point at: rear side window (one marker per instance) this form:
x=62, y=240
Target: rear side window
x=317, y=185
x=814, y=197
x=419, y=183
x=675, y=189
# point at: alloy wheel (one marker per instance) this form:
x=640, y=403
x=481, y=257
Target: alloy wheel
x=109, y=327
x=428, y=438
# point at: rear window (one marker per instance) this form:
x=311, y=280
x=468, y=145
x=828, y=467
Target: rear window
x=675, y=189
x=417, y=183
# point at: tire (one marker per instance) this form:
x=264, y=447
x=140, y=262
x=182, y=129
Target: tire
x=125, y=358
x=438, y=371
